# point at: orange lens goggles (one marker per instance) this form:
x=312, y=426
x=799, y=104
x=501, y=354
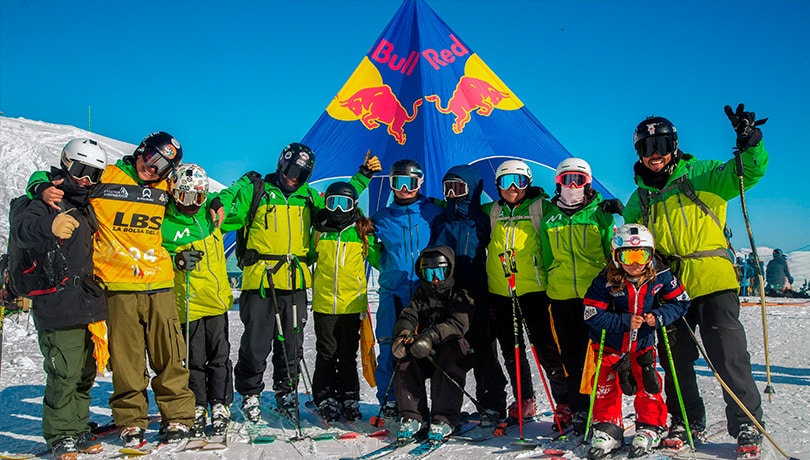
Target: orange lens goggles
x=634, y=256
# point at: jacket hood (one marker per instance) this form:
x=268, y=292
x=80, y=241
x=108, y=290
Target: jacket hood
x=447, y=284
x=470, y=204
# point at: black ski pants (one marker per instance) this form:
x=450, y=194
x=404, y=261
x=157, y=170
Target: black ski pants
x=723, y=336
x=261, y=335
x=445, y=397
x=572, y=332
x=337, y=339
x=209, y=361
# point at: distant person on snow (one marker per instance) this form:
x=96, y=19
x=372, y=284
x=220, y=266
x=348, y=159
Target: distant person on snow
x=430, y=344
x=276, y=215
x=685, y=200
x=343, y=243
x=631, y=298
x=137, y=273
x=777, y=274
x=65, y=314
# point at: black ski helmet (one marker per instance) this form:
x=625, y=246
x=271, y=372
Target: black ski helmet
x=341, y=188
x=295, y=162
x=434, y=258
x=654, y=127
x=168, y=150
x=407, y=168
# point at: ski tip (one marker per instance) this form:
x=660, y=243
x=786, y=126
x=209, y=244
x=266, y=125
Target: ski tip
x=379, y=434
x=349, y=435
x=556, y=452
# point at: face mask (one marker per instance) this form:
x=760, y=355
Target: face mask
x=572, y=196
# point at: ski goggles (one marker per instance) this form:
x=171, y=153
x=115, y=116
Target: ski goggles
x=431, y=273
x=573, y=179
x=83, y=171
x=156, y=160
x=189, y=198
x=632, y=256
x=663, y=145
x=455, y=188
x=335, y=202
x=409, y=183
x=519, y=181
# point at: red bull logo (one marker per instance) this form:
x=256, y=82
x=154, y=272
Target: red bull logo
x=379, y=104
x=471, y=95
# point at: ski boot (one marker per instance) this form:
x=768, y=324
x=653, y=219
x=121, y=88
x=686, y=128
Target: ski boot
x=197, y=429
x=749, y=441
x=174, y=432
x=564, y=416
x=408, y=429
x=606, y=439
x=529, y=409
x=439, y=432
x=678, y=437
x=251, y=408
x=351, y=410
x=646, y=439
x=329, y=409
x=390, y=410
x=132, y=436
x=220, y=419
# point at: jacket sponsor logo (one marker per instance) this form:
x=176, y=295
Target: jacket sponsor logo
x=590, y=312
x=137, y=223
x=181, y=234
x=116, y=193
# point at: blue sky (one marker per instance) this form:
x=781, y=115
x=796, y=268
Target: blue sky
x=236, y=83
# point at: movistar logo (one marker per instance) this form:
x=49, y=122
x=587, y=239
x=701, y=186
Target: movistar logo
x=179, y=235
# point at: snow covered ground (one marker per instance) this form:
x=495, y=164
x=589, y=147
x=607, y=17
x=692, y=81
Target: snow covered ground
x=787, y=417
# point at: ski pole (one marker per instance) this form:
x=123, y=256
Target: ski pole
x=671, y=361
x=280, y=337
x=378, y=421
x=455, y=383
x=734, y=396
x=510, y=284
x=188, y=316
x=293, y=264
x=595, y=384
x=768, y=387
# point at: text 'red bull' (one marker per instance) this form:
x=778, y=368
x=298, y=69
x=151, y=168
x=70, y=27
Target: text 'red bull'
x=384, y=54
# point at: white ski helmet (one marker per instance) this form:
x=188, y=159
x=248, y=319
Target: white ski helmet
x=574, y=165
x=189, y=185
x=84, y=158
x=513, y=167
x=631, y=236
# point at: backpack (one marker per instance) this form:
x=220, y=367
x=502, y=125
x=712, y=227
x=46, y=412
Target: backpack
x=242, y=233
x=32, y=271
x=535, y=215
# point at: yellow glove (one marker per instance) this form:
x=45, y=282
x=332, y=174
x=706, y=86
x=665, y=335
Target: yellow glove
x=63, y=225
x=372, y=163
x=101, y=350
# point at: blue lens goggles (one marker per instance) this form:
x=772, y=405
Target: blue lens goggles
x=335, y=202
x=518, y=180
x=409, y=183
x=439, y=273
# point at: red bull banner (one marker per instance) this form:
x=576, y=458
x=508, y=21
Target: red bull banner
x=422, y=93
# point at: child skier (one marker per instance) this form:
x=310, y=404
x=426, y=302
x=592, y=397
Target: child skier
x=339, y=299
x=195, y=242
x=430, y=344
x=629, y=300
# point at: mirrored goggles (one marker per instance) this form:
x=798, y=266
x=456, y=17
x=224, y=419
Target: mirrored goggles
x=632, y=256
x=156, y=160
x=189, y=198
x=663, y=145
x=293, y=171
x=573, y=179
x=335, y=202
x=409, y=183
x=83, y=171
x=455, y=188
x=438, y=273
x=518, y=180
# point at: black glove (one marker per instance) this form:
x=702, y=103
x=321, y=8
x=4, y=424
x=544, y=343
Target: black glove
x=400, y=346
x=421, y=346
x=613, y=206
x=648, y=375
x=744, y=124
x=187, y=260
x=626, y=380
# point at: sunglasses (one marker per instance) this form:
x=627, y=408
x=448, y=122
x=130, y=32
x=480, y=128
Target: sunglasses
x=573, y=179
x=83, y=171
x=409, y=183
x=632, y=256
x=663, y=145
x=189, y=198
x=335, y=202
x=438, y=273
x=508, y=180
x=154, y=159
x=455, y=188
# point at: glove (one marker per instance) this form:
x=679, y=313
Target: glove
x=63, y=225
x=399, y=347
x=187, y=260
x=648, y=375
x=748, y=135
x=626, y=380
x=612, y=206
x=370, y=165
x=422, y=346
